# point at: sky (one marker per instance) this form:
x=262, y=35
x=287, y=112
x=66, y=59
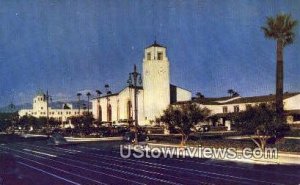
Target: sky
x=67, y=46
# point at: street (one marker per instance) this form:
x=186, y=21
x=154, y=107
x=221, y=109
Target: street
x=100, y=163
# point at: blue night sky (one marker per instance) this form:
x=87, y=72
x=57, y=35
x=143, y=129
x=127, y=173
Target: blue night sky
x=67, y=46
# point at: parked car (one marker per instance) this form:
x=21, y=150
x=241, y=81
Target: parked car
x=130, y=137
x=202, y=128
x=56, y=139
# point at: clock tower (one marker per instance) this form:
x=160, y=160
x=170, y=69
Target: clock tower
x=156, y=81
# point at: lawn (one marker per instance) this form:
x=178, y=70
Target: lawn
x=220, y=141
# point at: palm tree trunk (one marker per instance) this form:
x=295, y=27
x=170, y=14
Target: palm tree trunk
x=279, y=80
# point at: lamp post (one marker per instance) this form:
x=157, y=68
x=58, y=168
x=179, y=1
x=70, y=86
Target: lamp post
x=137, y=80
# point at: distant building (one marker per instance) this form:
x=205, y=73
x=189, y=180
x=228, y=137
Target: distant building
x=223, y=106
x=154, y=96
x=39, y=109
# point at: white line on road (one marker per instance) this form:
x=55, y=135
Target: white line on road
x=107, y=163
x=75, y=167
x=156, y=165
x=48, y=173
x=37, y=152
x=187, y=169
x=209, y=164
x=42, y=164
x=108, y=168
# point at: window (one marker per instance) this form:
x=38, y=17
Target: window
x=296, y=117
x=148, y=56
x=225, y=109
x=42, y=108
x=159, y=56
x=248, y=106
x=236, y=108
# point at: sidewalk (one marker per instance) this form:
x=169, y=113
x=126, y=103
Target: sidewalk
x=247, y=137
x=282, y=158
x=78, y=139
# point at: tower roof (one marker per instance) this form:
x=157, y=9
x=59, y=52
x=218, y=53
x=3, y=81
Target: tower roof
x=40, y=93
x=155, y=45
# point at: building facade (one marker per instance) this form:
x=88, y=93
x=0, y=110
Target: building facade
x=223, y=106
x=40, y=106
x=154, y=96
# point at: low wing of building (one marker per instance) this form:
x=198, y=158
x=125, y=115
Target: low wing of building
x=222, y=106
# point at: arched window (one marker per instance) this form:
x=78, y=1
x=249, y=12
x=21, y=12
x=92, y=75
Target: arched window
x=99, y=113
x=129, y=110
x=109, y=113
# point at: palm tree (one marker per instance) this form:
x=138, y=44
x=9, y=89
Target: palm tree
x=281, y=29
x=230, y=92
x=78, y=95
x=88, y=94
x=106, y=86
x=235, y=94
x=98, y=93
x=199, y=95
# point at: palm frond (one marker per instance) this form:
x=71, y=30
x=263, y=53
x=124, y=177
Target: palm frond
x=280, y=27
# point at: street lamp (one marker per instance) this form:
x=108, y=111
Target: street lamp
x=137, y=80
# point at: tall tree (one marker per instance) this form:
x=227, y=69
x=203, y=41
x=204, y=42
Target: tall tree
x=281, y=29
x=199, y=95
x=259, y=123
x=88, y=94
x=183, y=118
x=230, y=92
x=98, y=92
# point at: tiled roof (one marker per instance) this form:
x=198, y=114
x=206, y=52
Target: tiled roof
x=253, y=99
x=266, y=98
x=155, y=45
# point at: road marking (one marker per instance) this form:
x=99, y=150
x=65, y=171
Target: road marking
x=186, y=169
x=121, y=166
x=132, y=181
x=107, y=168
x=51, y=174
x=98, y=182
x=207, y=164
x=156, y=166
x=37, y=152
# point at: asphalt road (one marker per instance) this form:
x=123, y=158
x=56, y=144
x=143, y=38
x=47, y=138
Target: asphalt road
x=101, y=163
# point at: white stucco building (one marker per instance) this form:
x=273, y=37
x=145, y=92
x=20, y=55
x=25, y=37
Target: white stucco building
x=222, y=106
x=154, y=96
x=39, y=109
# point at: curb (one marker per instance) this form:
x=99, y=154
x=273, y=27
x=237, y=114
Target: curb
x=282, y=158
